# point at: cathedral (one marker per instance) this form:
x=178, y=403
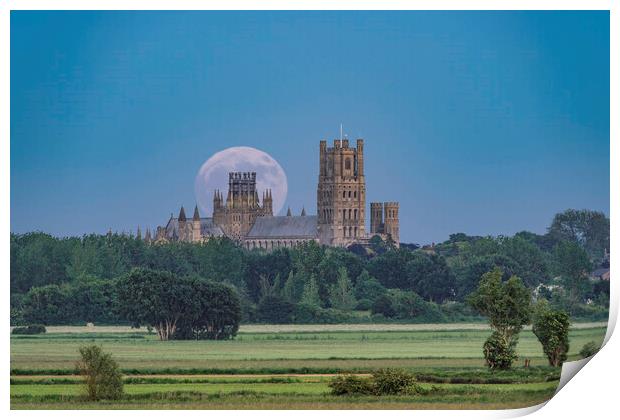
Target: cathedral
x=246, y=219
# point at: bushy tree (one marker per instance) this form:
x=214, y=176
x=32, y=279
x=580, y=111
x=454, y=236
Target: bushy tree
x=217, y=313
x=156, y=298
x=102, y=376
x=507, y=305
x=551, y=329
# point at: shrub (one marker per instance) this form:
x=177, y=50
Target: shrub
x=588, y=349
x=392, y=381
x=30, y=329
x=102, y=376
x=498, y=352
x=382, y=382
x=383, y=306
x=275, y=310
x=351, y=385
x=363, y=305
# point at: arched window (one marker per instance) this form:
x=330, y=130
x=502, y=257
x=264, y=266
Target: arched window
x=355, y=232
x=355, y=194
x=344, y=215
x=344, y=194
x=355, y=214
x=347, y=163
x=349, y=214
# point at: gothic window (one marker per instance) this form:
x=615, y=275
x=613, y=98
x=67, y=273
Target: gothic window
x=344, y=215
x=349, y=214
x=347, y=164
x=344, y=194
x=349, y=193
x=355, y=230
x=355, y=214
x=355, y=194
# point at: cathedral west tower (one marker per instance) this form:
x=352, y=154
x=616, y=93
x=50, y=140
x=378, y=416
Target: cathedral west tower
x=341, y=193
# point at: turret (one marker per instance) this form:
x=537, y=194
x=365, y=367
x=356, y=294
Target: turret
x=391, y=222
x=267, y=203
x=360, y=157
x=182, y=217
x=376, y=218
x=322, y=158
x=196, y=234
x=303, y=211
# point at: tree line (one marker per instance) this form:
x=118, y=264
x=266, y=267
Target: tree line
x=76, y=280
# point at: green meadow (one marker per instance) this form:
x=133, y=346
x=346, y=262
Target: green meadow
x=285, y=369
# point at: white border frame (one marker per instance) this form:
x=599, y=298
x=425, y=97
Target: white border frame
x=594, y=393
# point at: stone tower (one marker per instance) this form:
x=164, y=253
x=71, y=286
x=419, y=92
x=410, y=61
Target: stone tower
x=376, y=218
x=341, y=193
x=237, y=215
x=390, y=211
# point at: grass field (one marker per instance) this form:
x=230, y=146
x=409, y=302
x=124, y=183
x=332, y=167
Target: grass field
x=276, y=367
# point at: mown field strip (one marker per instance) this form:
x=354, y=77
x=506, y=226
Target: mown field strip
x=301, y=328
x=304, y=388
x=282, y=352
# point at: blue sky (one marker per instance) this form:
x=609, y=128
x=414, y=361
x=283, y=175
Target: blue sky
x=476, y=122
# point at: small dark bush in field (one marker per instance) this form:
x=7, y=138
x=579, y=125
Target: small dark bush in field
x=382, y=382
x=589, y=349
x=392, y=381
x=351, y=385
x=30, y=329
x=102, y=376
x=499, y=353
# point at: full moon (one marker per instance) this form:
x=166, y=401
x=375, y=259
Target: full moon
x=213, y=175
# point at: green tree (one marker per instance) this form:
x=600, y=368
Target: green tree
x=531, y=264
x=589, y=229
x=368, y=287
x=430, y=277
x=217, y=315
x=293, y=287
x=341, y=293
x=573, y=265
x=102, y=376
x=274, y=309
x=391, y=268
x=47, y=305
x=551, y=329
x=310, y=295
x=156, y=298
x=506, y=305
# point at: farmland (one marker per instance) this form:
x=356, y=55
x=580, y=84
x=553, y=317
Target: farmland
x=285, y=367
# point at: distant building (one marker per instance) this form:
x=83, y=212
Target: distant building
x=600, y=274
x=341, y=206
